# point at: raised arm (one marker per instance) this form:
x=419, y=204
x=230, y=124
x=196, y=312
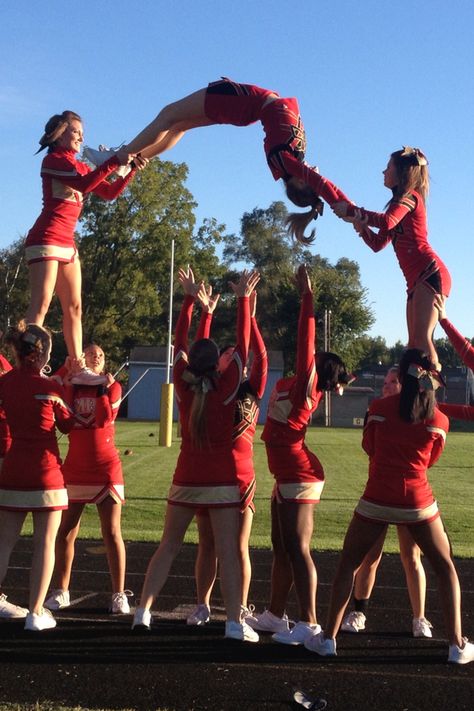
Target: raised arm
x=186, y=279
x=462, y=346
x=208, y=303
x=259, y=370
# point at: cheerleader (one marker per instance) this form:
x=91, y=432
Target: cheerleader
x=410, y=555
x=299, y=477
x=228, y=102
x=50, y=249
x=245, y=422
x=206, y=473
x=404, y=436
x=93, y=475
x=404, y=225
x=31, y=477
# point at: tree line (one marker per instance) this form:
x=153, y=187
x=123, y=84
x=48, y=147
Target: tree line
x=125, y=249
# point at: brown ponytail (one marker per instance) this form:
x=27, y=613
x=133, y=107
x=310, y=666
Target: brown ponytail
x=297, y=222
x=30, y=343
x=201, y=376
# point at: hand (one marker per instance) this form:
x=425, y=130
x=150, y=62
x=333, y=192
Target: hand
x=206, y=299
x=359, y=227
x=303, y=281
x=253, y=304
x=124, y=157
x=110, y=379
x=140, y=162
x=186, y=279
x=340, y=208
x=440, y=304
x=246, y=284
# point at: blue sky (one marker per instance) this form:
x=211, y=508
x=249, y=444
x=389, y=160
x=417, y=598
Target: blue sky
x=369, y=76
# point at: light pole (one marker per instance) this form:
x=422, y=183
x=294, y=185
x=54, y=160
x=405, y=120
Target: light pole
x=167, y=394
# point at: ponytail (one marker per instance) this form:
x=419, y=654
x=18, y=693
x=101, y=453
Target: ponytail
x=297, y=222
x=201, y=375
x=30, y=342
x=419, y=380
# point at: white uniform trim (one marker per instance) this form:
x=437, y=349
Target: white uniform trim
x=395, y=514
x=33, y=500
x=204, y=495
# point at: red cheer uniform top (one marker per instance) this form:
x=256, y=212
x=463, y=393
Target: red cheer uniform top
x=92, y=454
x=5, y=438
x=34, y=407
x=65, y=181
x=400, y=454
x=213, y=464
x=292, y=402
x=250, y=390
x=404, y=225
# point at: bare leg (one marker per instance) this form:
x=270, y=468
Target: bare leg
x=296, y=525
x=11, y=523
x=42, y=276
x=422, y=318
x=365, y=577
x=246, y=520
x=177, y=520
x=410, y=555
x=177, y=117
x=205, y=569
x=68, y=289
x=65, y=540
x=225, y=525
x=282, y=574
x=110, y=513
x=360, y=537
x=434, y=542
x=45, y=528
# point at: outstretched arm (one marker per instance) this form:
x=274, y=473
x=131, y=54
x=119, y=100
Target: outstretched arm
x=320, y=185
x=208, y=303
x=384, y=221
x=62, y=169
x=462, y=346
x=259, y=370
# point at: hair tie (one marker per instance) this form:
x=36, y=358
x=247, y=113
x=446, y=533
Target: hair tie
x=427, y=379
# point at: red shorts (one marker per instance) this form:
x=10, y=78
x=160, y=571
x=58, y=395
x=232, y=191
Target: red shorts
x=228, y=102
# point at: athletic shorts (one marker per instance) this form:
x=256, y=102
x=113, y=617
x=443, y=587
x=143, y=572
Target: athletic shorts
x=51, y=253
x=435, y=277
x=385, y=513
x=228, y=102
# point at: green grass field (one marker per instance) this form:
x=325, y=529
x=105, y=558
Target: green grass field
x=149, y=468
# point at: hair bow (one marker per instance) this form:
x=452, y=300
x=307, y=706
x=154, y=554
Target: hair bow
x=414, y=154
x=427, y=379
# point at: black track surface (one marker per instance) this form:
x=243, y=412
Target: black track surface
x=93, y=660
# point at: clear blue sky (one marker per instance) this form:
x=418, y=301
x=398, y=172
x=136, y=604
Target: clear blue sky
x=370, y=76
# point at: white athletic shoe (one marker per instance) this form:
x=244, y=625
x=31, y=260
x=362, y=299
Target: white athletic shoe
x=38, y=623
x=119, y=604
x=85, y=376
x=57, y=599
x=199, y=616
x=266, y=621
x=320, y=645
x=9, y=611
x=240, y=631
x=421, y=627
x=461, y=655
x=99, y=157
x=354, y=622
x=141, y=619
x=297, y=634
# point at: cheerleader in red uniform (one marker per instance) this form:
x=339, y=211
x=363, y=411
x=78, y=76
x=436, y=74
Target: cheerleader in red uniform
x=228, y=102
x=51, y=253
x=404, y=436
x=245, y=422
x=410, y=556
x=206, y=473
x=404, y=225
x=299, y=476
x=31, y=478
x=93, y=475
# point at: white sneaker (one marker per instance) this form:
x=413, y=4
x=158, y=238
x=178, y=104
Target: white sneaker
x=266, y=621
x=141, y=619
x=87, y=377
x=240, y=631
x=99, y=157
x=322, y=646
x=354, y=622
x=461, y=655
x=199, y=616
x=9, y=611
x=57, y=599
x=119, y=605
x=421, y=627
x=297, y=634
x=38, y=623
